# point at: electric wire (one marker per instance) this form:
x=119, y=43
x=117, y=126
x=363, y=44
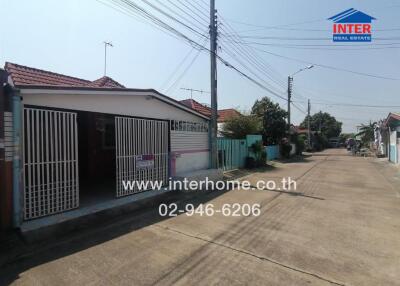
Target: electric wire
x=328, y=66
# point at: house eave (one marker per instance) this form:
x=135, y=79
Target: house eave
x=69, y=90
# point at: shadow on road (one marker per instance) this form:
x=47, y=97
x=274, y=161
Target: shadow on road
x=91, y=235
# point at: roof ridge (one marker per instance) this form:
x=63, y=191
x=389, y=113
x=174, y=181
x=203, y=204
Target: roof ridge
x=45, y=71
x=104, y=79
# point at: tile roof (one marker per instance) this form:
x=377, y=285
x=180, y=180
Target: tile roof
x=106, y=81
x=193, y=104
x=25, y=76
x=223, y=114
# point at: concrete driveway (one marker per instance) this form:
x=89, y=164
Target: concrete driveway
x=340, y=227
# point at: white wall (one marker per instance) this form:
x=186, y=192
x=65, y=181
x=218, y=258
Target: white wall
x=191, y=150
x=393, y=137
x=220, y=128
x=137, y=104
x=188, y=162
x=393, y=148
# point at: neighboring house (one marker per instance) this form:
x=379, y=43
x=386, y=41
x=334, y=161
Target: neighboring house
x=392, y=124
x=223, y=114
x=304, y=131
x=81, y=139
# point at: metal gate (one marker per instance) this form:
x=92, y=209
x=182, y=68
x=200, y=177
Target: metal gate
x=141, y=154
x=232, y=153
x=50, y=162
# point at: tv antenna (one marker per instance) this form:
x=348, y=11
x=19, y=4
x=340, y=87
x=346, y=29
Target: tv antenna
x=194, y=90
x=106, y=44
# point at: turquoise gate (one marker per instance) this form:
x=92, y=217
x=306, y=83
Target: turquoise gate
x=232, y=153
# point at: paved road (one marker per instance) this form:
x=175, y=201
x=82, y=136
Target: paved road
x=340, y=227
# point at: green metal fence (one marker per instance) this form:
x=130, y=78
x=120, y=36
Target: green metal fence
x=232, y=153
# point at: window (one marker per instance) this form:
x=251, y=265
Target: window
x=177, y=125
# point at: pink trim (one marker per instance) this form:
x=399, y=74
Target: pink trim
x=191, y=151
x=173, y=165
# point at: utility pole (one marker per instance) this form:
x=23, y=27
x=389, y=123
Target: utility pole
x=105, y=55
x=214, y=103
x=290, y=87
x=289, y=100
x=308, y=124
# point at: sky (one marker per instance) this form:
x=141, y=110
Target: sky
x=66, y=36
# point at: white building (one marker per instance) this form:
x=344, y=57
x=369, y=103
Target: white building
x=81, y=139
x=392, y=124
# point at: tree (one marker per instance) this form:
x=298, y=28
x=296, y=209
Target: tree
x=325, y=123
x=367, y=133
x=273, y=119
x=237, y=127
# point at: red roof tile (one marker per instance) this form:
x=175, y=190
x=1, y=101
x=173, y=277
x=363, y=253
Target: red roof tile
x=223, y=114
x=23, y=76
x=193, y=104
x=106, y=81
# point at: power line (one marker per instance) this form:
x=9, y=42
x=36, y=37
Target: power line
x=226, y=63
x=172, y=17
x=181, y=17
x=332, y=47
x=186, y=13
x=251, y=71
x=174, y=84
x=285, y=26
x=247, y=54
x=327, y=66
x=132, y=7
x=255, y=59
x=279, y=27
x=357, y=105
x=201, y=9
x=286, y=38
x=177, y=68
x=235, y=55
x=298, y=108
x=201, y=15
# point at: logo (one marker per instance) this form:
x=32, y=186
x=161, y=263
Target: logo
x=352, y=26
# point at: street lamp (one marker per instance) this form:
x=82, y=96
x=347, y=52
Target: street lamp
x=303, y=69
x=290, y=85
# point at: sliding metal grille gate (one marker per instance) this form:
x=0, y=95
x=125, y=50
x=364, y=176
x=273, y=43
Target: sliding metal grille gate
x=140, y=141
x=50, y=162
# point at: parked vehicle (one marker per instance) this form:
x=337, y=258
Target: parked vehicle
x=334, y=142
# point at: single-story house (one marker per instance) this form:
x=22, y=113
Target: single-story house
x=76, y=141
x=392, y=124
x=223, y=114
